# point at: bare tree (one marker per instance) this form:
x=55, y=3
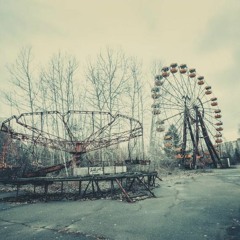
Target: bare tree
x=58, y=88
x=107, y=78
x=153, y=143
x=22, y=96
x=52, y=88
x=133, y=102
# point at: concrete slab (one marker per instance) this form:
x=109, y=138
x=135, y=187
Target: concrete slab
x=201, y=206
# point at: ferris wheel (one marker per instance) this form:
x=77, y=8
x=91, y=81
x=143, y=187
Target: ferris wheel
x=187, y=117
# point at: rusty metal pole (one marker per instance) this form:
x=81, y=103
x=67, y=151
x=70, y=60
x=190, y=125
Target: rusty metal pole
x=46, y=190
x=62, y=187
x=80, y=188
x=18, y=187
x=112, y=187
x=124, y=191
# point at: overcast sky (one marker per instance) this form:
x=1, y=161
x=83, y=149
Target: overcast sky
x=205, y=34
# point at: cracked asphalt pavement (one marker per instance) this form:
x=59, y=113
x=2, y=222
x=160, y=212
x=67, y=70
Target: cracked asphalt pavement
x=202, y=206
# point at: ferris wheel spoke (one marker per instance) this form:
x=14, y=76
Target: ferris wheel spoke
x=173, y=116
x=199, y=100
x=208, y=100
x=210, y=109
x=210, y=121
x=194, y=87
x=202, y=94
x=179, y=86
x=179, y=122
x=209, y=131
x=171, y=108
x=175, y=97
x=209, y=115
x=190, y=86
x=174, y=88
x=171, y=99
x=200, y=91
x=185, y=84
x=212, y=124
x=173, y=103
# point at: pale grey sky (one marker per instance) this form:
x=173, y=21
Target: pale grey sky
x=205, y=34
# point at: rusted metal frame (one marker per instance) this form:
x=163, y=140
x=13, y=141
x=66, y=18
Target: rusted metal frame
x=61, y=187
x=68, y=130
x=102, y=143
x=215, y=152
x=131, y=184
x=196, y=151
x=149, y=180
x=143, y=178
x=93, y=188
x=5, y=148
x=158, y=178
x=112, y=188
x=154, y=181
x=123, y=191
x=18, y=187
x=95, y=191
x=46, y=189
x=80, y=188
x=89, y=112
x=136, y=132
x=130, y=118
x=46, y=170
x=98, y=188
x=7, y=121
x=193, y=141
x=184, y=135
x=145, y=185
x=59, y=143
x=98, y=133
x=85, y=191
x=38, y=113
x=40, y=139
x=108, y=142
x=123, y=139
x=126, y=181
x=153, y=184
x=208, y=142
x=46, y=184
